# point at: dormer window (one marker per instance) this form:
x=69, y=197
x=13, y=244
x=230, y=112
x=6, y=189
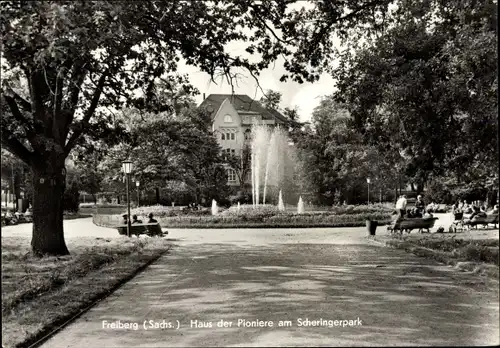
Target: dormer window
x=228, y=119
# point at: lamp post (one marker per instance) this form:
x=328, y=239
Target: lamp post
x=368, y=182
x=127, y=169
x=138, y=197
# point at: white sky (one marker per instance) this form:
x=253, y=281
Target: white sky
x=305, y=96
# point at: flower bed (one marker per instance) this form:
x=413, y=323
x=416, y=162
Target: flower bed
x=363, y=209
x=262, y=217
x=164, y=211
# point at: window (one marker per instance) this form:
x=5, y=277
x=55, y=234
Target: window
x=233, y=152
x=223, y=136
x=228, y=119
x=231, y=175
x=232, y=136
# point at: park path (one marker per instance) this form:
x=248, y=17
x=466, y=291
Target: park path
x=286, y=275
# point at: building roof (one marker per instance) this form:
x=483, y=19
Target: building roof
x=242, y=103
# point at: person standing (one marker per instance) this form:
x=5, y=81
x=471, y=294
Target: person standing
x=401, y=206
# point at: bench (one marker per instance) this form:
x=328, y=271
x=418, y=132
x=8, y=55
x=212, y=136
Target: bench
x=409, y=224
x=152, y=230
x=483, y=220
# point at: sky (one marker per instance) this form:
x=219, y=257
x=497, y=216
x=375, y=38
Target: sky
x=305, y=96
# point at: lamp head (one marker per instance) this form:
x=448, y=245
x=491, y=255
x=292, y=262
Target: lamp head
x=127, y=167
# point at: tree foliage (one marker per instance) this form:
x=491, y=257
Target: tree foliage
x=426, y=86
x=166, y=150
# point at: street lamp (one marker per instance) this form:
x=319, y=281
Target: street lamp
x=137, y=185
x=127, y=169
x=368, y=182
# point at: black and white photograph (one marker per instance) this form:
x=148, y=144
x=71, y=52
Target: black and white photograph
x=249, y=173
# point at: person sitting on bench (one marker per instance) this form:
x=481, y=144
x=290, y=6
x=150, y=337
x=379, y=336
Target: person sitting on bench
x=135, y=220
x=477, y=212
x=420, y=206
x=125, y=220
x=151, y=220
x=427, y=215
x=494, y=211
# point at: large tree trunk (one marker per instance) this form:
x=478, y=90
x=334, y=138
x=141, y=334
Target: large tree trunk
x=48, y=190
x=420, y=187
x=157, y=192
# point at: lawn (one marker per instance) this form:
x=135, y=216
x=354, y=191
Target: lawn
x=479, y=253
x=38, y=295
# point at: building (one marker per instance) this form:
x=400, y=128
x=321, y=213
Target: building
x=232, y=118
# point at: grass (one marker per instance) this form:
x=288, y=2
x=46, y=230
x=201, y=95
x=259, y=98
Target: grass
x=40, y=294
x=479, y=255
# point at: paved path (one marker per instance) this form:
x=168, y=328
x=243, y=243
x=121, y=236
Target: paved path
x=72, y=229
x=291, y=274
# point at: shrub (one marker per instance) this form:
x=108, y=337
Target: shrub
x=165, y=211
x=360, y=209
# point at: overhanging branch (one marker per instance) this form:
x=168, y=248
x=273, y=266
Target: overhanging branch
x=13, y=145
x=88, y=114
x=23, y=103
x=19, y=116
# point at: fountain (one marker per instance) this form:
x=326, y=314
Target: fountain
x=239, y=206
x=215, y=209
x=270, y=161
x=281, y=206
x=300, y=206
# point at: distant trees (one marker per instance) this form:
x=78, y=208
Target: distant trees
x=416, y=103
x=337, y=161
x=426, y=86
x=174, y=154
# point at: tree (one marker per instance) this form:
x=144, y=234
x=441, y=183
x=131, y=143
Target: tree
x=86, y=161
x=15, y=176
x=79, y=60
x=426, y=87
x=337, y=161
x=169, y=151
x=241, y=164
x=271, y=100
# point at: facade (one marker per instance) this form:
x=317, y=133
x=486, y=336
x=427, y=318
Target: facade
x=232, y=118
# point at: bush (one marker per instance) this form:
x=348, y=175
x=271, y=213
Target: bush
x=249, y=210
x=166, y=211
x=363, y=209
